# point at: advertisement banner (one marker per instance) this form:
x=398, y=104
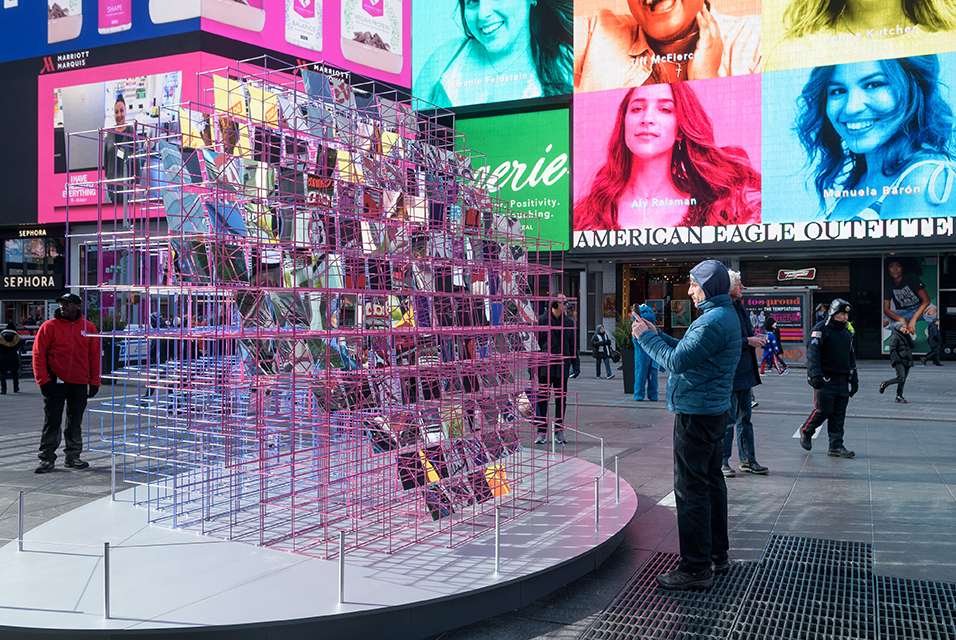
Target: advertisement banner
x=791, y=309
x=480, y=53
x=527, y=167
x=47, y=28
x=910, y=283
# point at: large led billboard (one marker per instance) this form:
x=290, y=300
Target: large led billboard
x=469, y=52
x=528, y=167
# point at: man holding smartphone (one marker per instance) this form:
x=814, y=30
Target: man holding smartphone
x=702, y=366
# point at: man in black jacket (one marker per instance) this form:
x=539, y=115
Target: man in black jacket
x=558, y=341
x=831, y=371
x=935, y=343
x=745, y=379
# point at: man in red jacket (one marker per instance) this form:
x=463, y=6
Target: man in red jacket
x=66, y=365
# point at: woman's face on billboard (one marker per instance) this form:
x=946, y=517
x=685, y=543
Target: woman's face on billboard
x=862, y=106
x=650, y=123
x=497, y=24
x=666, y=20
x=119, y=112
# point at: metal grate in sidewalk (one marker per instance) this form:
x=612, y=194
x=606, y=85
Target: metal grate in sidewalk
x=916, y=609
x=642, y=610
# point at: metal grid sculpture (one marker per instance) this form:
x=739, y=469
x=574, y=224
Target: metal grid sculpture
x=352, y=320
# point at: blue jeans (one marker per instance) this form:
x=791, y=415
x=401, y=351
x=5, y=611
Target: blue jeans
x=907, y=313
x=597, y=366
x=739, y=417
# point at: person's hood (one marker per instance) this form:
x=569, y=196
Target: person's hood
x=768, y=324
x=647, y=312
x=712, y=277
x=598, y=328
x=907, y=336
x=9, y=338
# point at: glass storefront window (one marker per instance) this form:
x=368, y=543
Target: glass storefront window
x=34, y=257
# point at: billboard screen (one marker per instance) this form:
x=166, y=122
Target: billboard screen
x=470, y=52
x=528, y=167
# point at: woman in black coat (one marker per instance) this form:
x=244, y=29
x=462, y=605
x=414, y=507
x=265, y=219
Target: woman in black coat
x=601, y=350
x=11, y=346
x=901, y=357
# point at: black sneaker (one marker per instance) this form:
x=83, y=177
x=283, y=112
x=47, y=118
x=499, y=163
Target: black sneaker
x=728, y=471
x=840, y=453
x=76, y=463
x=754, y=467
x=805, y=440
x=46, y=466
x=722, y=567
x=680, y=580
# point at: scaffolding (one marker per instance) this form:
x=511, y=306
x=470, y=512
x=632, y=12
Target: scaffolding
x=337, y=330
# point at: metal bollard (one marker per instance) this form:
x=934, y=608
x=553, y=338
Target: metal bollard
x=20, y=534
x=602, y=458
x=497, y=539
x=113, y=477
x=617, y=480
x=597, y=504
x=106, y=580
x=341, y=567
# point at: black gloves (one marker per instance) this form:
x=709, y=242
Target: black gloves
x=854, y=383
x=93, y=391
x=816, y=382
x=47, y=389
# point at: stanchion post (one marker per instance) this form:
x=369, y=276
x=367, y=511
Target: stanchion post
x=602, y=458
x=617, y=480
x=597, y=503
x=113, y=477
x=497, y=539
x=341, y=567
x=106, y=580
x=20, y=524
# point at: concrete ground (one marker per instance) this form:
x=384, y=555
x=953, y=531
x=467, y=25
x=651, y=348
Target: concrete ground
x=898, y=494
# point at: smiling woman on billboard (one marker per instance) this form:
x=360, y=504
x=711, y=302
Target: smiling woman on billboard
x=878, y=136
x=511, y=49
x=665, y=169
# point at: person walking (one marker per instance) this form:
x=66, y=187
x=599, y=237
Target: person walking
x=831, y=371
x=11, y=349
x=741, y=399
x=901, y=359
x=935, y=341
x=601, y=350
x=66, y=365
x=702, y=366
x=557, y=340
x=772, y=349
x=645, y=369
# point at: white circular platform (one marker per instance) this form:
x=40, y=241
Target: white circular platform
x=165, y=582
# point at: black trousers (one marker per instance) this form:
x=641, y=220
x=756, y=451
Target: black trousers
x=559, y=386
x=74, y=397
x=829, y=403
x=932, y=355
x=14, y=373
x=901, y=372
x=700, y=490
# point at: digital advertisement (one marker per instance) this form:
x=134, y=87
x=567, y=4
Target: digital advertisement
x=800, y=34
x=909, y=298
x=528, y=168
x=32, y=28
x=118, y=98
x=791, y=311
x=470, y=52
x=665, y=156
x=629, y=44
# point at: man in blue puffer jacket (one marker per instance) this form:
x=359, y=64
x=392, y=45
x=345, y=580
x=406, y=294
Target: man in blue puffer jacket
x=702, y=366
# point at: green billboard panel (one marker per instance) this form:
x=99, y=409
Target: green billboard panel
x=528, y=167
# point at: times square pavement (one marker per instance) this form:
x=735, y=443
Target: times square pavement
x=898, y=494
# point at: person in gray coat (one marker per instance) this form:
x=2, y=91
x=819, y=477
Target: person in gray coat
x=702, y=366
